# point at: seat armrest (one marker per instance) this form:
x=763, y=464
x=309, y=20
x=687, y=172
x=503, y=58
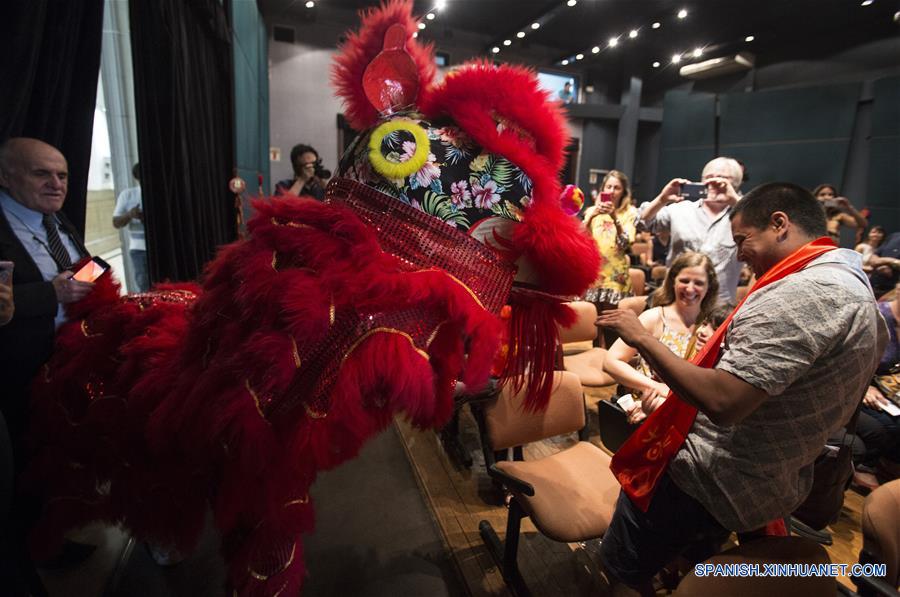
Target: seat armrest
x=513, y=483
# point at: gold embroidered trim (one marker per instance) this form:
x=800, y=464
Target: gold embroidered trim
x=303, y=500
x=455, y=279
x=295, y=352
x=259, y=576
x=434, y=333
x=87, y=333
x=255, y=399
x=278, y=222
x=384, y=331
x=275, y=260
x=314, y=414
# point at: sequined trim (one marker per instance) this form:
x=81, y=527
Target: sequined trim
x=278, y=222
x=295, y=352
x=255, y=399
x=259, y=576
x=373, y=331
x=312, y=413
x=434, y=333
x=275, y=260
x=331, y=313
x=303, y=500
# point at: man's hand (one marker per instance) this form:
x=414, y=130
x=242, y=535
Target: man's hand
x=721, y=191
x=671, y=193
x=624, y=322
x=70, y=291
x=7, y=307
x=874, y=399
x=135, y=213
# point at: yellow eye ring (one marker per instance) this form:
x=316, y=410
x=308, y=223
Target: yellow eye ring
x=396, y=170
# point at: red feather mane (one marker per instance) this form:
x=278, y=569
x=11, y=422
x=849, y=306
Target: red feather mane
x=361, y=47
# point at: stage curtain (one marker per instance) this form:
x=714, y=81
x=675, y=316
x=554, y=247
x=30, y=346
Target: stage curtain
x=48, y=77
x=183, y=100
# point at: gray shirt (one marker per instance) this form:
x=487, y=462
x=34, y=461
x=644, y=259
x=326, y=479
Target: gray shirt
x=693, y=229
x=811, y=342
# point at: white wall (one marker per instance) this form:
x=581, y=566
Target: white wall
x=302, y=104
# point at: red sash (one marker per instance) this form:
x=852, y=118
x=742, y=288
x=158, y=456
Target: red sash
x=640, y=462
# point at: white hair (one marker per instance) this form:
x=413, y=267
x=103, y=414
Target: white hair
x=729, y=164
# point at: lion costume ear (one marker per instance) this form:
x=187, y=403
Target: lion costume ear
x=384, y=43
x=504, y=109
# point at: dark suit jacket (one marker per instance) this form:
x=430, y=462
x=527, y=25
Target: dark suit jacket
x=26, y=342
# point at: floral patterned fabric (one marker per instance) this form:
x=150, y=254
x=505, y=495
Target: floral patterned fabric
x=613, y=275
x=459, y=183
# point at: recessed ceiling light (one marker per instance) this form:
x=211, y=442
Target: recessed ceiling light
x=422, y=25
x=676, y=58
x=310, y=4
x=565, y=62
x=520, y=34
x=633, y=33
x=655, y=25
x=749, y=38
x=698, y=52
x=430, y=16
x=440, y=4
x=682, y=13
x=579, y=56
x=572, y=2
x=595, y=50
x=507, y=42
x=866, y=2
x=495, y=50
x=656, y=65
x=535, y=25
x=613, y=42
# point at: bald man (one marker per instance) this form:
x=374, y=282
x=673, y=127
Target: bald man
x=42, y=242
x=702, y=225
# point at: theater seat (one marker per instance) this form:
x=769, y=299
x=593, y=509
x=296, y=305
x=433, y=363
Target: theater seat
x=881, y=539
x=768, y=550
x=569, y=496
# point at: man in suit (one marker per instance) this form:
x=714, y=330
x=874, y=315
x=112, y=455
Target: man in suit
x=43, y=244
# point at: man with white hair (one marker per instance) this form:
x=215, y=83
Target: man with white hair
x=702, y=225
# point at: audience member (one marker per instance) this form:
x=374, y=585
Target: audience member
x=565, y=94
x=129, y=211
x=611, y=223
x=885, y=265
x=679, y=306
x=873, y=241
x=741, y=432
x=839, y=212
x=701, y=226
x=308, y=174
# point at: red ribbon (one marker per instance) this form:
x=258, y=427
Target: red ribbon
x=640, y=462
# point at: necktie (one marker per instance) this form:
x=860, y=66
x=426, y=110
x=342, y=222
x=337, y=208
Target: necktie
x=54, y=243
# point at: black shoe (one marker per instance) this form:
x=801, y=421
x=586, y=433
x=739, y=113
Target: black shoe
x=70, y=555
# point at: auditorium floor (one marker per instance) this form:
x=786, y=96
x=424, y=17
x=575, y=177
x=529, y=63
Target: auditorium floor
x=463, y=496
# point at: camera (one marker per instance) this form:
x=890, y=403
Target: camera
x=693, y=191
x=321, y=171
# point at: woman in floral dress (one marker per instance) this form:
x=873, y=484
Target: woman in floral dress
x=612, y=224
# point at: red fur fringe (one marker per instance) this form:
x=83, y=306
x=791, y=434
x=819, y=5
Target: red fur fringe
x=360, y=48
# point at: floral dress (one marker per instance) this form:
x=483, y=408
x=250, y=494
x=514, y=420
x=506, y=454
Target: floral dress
x=613, y=283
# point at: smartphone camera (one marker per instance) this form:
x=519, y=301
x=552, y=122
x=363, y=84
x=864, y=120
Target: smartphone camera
x=606, y=197
x=693, y=191
x=321, y=171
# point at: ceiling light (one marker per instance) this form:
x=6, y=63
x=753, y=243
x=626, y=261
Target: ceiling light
x=698, y=52
x=572, y=2
x=430, y=16
x=440, y=5
x=676, y=58
x=749, y=38
x=682, y=13
x=507, y=42
x=613, y=42
x=535, y=25
x=866, y=2
x=656, y=65
x=495, y=50
x=579, y=56
x=632, y=34
x=655, y=25
x=595, y=49
x=565, y=62
x=422, y=25
x=310, y=4
x=520, y=34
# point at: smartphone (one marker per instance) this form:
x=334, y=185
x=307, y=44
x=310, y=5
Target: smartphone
x=91, y=270
x=6, y=272
x=606, y=197
x=693, y=191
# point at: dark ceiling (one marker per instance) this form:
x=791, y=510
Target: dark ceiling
x=783, y=30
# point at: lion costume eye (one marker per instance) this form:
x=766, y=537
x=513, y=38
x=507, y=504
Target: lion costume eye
x=391, y=169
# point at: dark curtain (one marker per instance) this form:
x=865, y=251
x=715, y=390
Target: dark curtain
x=183, y=99
x=48, y=81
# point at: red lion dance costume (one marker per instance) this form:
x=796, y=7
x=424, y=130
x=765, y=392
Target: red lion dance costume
x=305, y=339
